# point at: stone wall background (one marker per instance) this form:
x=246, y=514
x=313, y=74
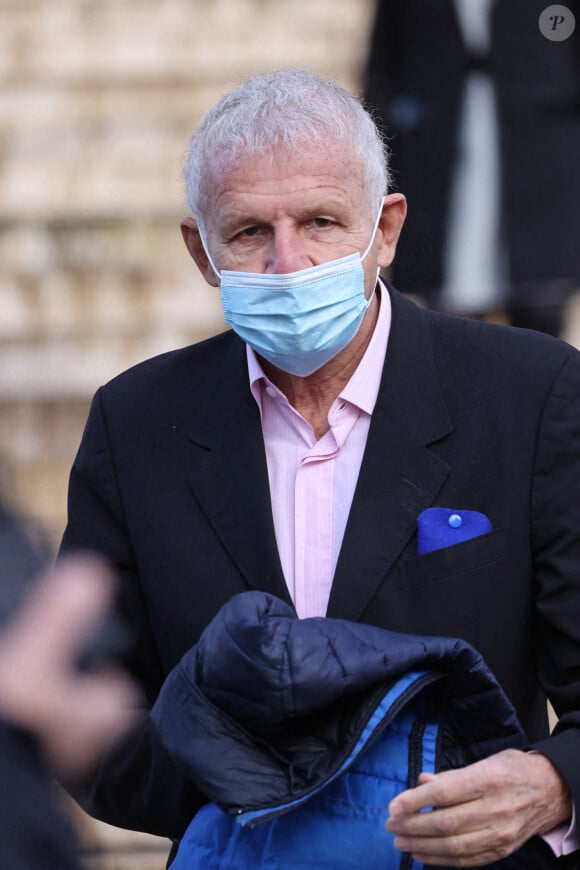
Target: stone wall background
x=97, y=100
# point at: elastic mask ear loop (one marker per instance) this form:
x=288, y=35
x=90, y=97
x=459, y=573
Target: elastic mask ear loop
x=375, y=227
x=207, y=253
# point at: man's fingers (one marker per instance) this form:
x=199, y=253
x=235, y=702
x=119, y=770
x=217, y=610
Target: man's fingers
x=467, y=835
x=471, y=850
x=480, y=814
x=426, y=777
x=438, y=823
x=435, y=790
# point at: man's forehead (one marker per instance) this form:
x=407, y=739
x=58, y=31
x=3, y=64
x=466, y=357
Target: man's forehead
x=330, y=158
x=309, y=175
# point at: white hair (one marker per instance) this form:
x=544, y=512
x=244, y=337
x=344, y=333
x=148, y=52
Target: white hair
x=287, y=109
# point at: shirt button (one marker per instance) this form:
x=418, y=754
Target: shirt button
x=455, y=521
x=271, y=392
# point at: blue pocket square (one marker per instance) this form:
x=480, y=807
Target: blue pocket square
x=443, y=527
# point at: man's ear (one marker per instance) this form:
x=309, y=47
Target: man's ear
x=192, y=239
x=389, y=227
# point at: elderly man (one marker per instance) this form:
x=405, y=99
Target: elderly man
x=300, y=453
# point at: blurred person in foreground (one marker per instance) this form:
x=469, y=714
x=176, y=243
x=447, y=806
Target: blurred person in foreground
x=55, y=719
x=301, y=452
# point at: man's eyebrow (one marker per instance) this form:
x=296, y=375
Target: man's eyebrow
x=326, y=208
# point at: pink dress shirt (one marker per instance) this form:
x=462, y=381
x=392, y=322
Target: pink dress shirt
x=312, y=484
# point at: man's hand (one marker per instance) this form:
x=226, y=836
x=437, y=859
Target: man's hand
x=480, y=813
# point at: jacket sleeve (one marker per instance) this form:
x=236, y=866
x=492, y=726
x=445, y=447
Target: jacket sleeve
x=138, y=786
x=555, y=531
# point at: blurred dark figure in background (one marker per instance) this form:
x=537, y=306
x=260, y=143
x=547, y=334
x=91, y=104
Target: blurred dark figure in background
x=55, y=718
x=484, y=114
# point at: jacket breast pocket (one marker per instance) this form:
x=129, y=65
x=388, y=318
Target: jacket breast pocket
x=457, y=559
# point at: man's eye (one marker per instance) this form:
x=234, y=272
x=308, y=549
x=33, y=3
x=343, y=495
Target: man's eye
x=321, y=222
x=250, y=231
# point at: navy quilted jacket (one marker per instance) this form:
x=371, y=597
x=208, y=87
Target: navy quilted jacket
x=300, y=732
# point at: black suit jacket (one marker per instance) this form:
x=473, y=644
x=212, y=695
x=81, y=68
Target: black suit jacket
x=171, y=483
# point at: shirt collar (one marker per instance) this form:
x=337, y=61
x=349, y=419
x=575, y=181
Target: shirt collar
x=363, y=387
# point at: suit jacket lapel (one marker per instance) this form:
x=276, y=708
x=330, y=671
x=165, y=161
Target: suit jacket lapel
x=229, y=476
x=399, y=475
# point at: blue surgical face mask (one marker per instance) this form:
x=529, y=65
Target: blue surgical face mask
x=300, y=320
